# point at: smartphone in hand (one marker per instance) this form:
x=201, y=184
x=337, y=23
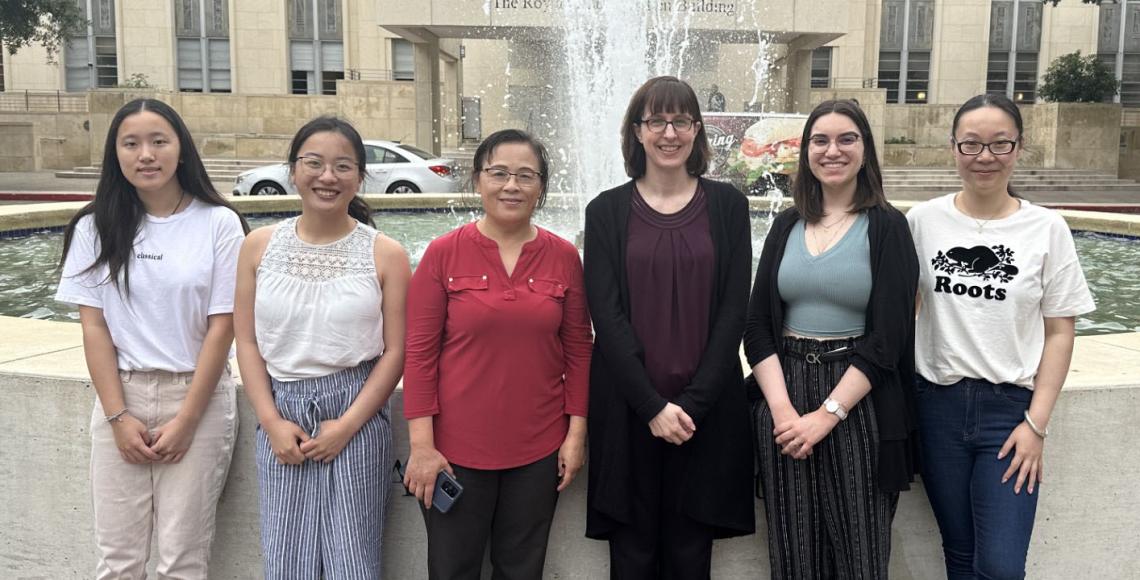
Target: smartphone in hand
x=446, y=493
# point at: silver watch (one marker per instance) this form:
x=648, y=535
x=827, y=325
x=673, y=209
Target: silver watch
x=835, y=408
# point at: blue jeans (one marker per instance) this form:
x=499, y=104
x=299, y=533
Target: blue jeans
x=985, y=526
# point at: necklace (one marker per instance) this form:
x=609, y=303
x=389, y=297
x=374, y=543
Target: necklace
x=981, y=223
x=831, y=238
x=833, y=224
x=181, y=198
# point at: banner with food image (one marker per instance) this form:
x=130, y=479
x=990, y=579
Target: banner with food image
x=756, y=152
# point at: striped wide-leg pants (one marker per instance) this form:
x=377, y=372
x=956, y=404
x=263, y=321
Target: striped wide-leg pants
x=826, y=515
x=325, y=520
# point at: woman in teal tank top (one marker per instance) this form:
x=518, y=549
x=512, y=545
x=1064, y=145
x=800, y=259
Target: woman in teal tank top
x=830, y=337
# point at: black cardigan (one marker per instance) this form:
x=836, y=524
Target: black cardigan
x=887, y=354
x=718, y=459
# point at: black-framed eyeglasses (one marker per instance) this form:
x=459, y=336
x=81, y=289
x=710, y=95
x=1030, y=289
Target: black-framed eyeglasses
x=657, y=124
x=525, y=178
x=999, y=147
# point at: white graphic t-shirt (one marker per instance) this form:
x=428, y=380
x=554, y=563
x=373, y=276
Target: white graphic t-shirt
x=182, y=271
x=986, y=288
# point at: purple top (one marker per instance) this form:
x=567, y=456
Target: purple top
x=669, y=261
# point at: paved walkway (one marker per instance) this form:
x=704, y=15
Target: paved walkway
x=17, y=187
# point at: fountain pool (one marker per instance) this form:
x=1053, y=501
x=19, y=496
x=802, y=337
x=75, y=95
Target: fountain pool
x=28, y=277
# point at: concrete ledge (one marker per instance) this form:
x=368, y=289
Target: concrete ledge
x=1086, y=523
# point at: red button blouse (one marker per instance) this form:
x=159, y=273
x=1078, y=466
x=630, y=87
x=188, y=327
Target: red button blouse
x=501, y=362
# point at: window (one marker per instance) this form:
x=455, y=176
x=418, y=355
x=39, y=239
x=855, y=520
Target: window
x=316, y=53
x=416, y=151
x=91, y=59
x=821, y=67
x=403, y=60
x=202, y=28
x=905, y=41
x=1, y=68
x=1015, y=39
x=1119, y=47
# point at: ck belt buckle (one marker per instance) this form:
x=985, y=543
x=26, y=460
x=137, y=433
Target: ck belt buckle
x=812, y=358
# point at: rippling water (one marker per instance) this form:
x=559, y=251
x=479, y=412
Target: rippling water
x=28, y=275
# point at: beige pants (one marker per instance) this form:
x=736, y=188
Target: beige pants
x=173, y=502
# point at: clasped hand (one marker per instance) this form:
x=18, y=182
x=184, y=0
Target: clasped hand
x=673, y=424
x=797, y=435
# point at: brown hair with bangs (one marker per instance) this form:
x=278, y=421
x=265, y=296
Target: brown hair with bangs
x=663, y=95
x=807, y=192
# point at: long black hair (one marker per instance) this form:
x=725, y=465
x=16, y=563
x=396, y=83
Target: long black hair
x=807, y=192
x=117, y=210
x=504, y=136
x=1003, y=104
x=357, y=208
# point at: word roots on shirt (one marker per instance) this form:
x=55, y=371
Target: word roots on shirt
x=973, y=267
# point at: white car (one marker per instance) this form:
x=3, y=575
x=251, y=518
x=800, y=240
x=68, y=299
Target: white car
x=392, y=168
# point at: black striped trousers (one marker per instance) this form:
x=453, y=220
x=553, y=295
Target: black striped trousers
x=826, y=515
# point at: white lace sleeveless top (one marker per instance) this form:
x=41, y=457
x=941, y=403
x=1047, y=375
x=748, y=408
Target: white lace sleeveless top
x=317, y=309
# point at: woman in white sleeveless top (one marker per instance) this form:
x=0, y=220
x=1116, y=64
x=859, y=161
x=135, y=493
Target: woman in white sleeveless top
x=319, y=319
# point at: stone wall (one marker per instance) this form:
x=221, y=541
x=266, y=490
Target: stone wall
x=261, y=126
x=17, y=146
x=1130, y=150
x=49, y=140
x=1086, y=524
x=1057, y=135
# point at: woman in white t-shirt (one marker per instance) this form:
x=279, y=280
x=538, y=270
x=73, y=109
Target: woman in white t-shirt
x=1000, y=288
x=319, y=316
x=150, y=262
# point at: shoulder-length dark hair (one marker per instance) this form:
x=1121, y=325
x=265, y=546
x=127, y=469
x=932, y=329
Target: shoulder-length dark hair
x=997, y=101
x=807, y=193
x=487, y=147
x=118, y=212
x=357, y=208
x=663, y=95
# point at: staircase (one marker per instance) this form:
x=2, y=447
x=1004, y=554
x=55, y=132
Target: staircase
x=220, y=170
x=1035, y=184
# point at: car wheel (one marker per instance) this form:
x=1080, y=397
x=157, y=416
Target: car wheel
x=403, y=187
x=267, y=188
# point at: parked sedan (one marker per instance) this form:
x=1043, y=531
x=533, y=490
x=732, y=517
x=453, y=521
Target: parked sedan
x=392, y=168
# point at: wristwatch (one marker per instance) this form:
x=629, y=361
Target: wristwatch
x=835, y=408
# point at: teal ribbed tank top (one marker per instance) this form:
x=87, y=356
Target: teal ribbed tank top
x=826, y=295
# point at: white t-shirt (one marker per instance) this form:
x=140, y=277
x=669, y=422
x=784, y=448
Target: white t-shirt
x=182, y=271
x=986, y=290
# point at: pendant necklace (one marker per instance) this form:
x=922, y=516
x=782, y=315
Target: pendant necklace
x=981, y=223
x=815, y=235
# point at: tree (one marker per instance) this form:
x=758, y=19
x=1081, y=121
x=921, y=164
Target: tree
x=46, y=22
x=1072, y=78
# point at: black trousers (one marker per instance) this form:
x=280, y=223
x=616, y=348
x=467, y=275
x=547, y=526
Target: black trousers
x=660, y=542
x=827, y=517
x=513, y=508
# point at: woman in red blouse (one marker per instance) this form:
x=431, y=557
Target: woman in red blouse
x=496, y=371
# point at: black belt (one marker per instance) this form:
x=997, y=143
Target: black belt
x=841, y=353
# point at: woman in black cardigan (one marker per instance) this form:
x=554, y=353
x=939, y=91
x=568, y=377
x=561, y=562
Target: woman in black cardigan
x=831, y=321
x=667, y=261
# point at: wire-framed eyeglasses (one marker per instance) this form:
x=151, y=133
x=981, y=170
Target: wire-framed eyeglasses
x=525, y=178
x=316, y=166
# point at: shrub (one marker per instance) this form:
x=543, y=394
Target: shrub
x=1072, y=78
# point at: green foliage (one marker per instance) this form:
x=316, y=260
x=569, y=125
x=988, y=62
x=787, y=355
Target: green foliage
x=1072, y=78
x=904, y=140
x=137, y=81
x=1097, y=2
x=46, y=22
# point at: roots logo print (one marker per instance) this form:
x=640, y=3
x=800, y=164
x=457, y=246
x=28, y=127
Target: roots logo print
x=987, y=263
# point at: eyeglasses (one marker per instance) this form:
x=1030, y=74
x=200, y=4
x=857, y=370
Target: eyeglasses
x=1001, y=147
x=313, y=166
x=657, y=124
x=525, y=178
x=845, y=141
